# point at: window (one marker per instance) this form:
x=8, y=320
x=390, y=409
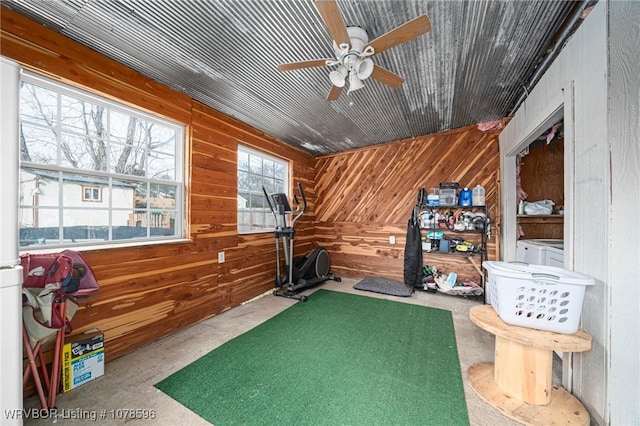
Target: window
x=256, y=170
x=91, y=193
x=93, y=171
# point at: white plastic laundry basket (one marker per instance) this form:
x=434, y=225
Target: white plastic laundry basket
x=536, y=296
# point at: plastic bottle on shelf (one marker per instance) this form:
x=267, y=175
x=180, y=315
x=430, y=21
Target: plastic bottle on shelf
x=465, y=197
x=433, y=198
x=478, y=195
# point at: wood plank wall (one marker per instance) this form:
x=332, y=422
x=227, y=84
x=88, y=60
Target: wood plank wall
x=150, y=291
x=542, y=178
x=366, y=195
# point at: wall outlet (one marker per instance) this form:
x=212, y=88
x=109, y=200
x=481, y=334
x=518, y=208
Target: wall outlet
x=220, y=257
x=392, y=239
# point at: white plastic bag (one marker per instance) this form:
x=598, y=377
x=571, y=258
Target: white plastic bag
x=538, y=207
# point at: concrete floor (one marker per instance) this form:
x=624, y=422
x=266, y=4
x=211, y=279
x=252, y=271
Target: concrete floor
x=128, y=381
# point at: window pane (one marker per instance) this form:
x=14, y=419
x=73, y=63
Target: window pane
x=243, y=200
x=255, y=165
x=270, y=221
x=258, y=202
x=127, y=159
x=41, y=145
x=270, y=186
x=268, y=167
x=162, y=196
x=243, y=221
x=243, y=160
x=128, y=194
x=80, y=152
x=121, y=127
x=74, y=193
x=38, y=105
x=81, y=117
x=38, y=226
x=161, y=166
x=257, y=220
x=38, y=188
x=162, y=139
x=243, y=180
x=162, y=223
x=281, y=171
x=86, y=225
x=255, y=182
x=131, y=224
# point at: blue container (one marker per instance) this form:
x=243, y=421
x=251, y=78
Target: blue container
x=466, y=197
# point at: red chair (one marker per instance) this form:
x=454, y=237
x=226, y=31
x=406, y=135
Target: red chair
x=51, y=284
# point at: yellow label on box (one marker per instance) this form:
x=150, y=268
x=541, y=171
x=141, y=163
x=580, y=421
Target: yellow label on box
x=82, y=360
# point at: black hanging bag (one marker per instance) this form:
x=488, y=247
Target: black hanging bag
x=413, y=254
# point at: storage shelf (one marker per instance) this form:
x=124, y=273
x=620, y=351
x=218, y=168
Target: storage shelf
x=452, y=253
x=540, y=218
x=466, y=263
x=451, y=230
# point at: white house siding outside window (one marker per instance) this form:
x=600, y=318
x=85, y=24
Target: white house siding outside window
x=255, y=170
x=94, y=171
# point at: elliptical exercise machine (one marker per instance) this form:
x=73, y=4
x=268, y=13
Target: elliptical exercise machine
x=304, y=271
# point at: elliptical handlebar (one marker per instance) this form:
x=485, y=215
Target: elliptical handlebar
x=304, y=205
x=273, y=211
x=304, y=199
x=282, y=205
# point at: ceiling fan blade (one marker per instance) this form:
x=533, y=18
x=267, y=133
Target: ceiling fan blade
x=302, y=64
x=334, y=93
x=401, y=34
x=332, y=18
x=387, y=77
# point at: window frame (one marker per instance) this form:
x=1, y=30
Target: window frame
x=91, y=188
x=286, y=187
x=178, y=211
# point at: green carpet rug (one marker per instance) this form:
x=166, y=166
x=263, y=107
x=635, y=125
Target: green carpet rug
x=337, y=359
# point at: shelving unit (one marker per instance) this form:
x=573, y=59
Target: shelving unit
x=541, y=226
x=466, y=264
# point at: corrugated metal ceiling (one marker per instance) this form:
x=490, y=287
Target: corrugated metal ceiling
x=471, y=68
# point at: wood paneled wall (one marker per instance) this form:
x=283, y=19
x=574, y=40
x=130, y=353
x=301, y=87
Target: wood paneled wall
x=366, y=195
x=149, y=291
x=542, y=178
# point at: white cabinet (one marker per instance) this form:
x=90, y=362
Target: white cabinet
x=540, y=252
x=554, y=257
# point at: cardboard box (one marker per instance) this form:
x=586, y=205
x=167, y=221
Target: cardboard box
x=82, y=359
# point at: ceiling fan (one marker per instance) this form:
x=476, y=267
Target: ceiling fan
x=353, y=50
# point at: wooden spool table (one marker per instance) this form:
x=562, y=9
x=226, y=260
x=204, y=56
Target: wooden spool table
x=519, y=383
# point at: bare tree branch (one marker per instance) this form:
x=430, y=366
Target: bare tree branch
x=24, y=149
x=121, y=167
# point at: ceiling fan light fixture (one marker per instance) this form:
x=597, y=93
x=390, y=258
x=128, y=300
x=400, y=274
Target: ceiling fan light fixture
x=354, y=82
x=364, y=68
x=338, y=77
x=359, y=38
x=352, y=50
